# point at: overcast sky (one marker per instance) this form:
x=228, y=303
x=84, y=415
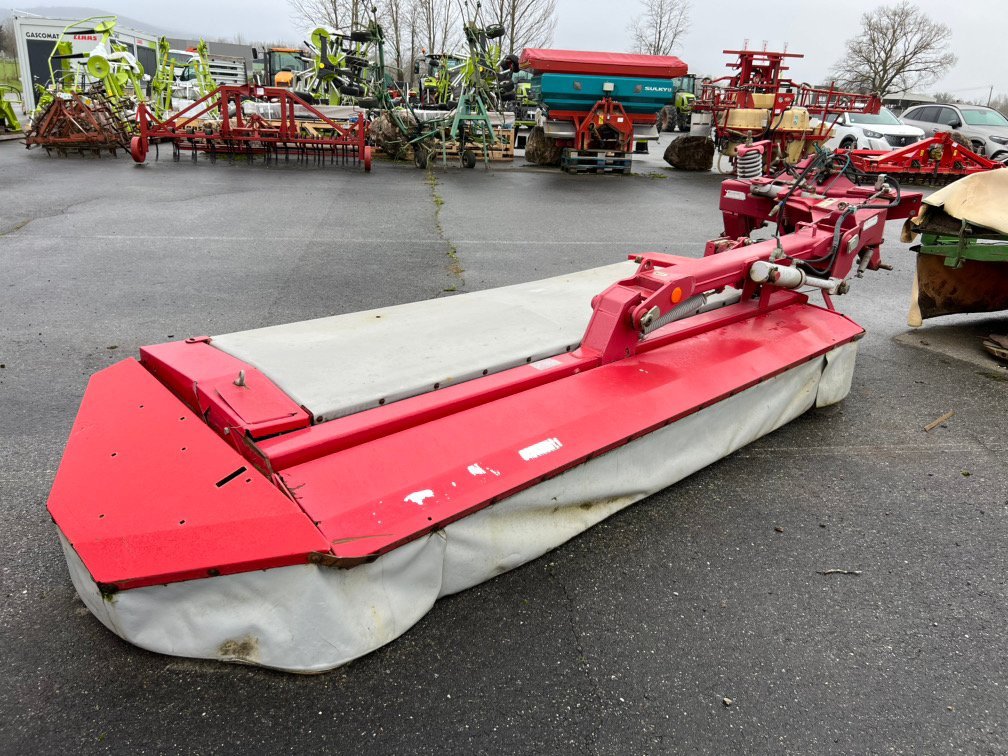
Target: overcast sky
x=817, y=29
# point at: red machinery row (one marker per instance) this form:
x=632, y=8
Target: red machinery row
x=254, y=122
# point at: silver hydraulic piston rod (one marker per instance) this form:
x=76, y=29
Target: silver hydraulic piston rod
x=790, y=277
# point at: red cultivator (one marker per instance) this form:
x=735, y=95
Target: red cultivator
x=251, y=121
x=939, y=159
x=75, y=122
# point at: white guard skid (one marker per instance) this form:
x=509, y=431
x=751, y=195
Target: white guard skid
x=311, y=618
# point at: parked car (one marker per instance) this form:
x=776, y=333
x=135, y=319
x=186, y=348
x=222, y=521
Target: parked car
x=865, y=131
x=985, y=128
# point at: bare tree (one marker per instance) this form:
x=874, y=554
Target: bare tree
x=527, y=23
x=898, y=49
x=7, y=46
x=661, y=25
x=396, y=17
x=339, y=14
x=999, y=103
x=438, y=25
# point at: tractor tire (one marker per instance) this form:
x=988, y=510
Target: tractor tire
x=849, y=143
x=351, y=90
x=368, y=103
x=667, y=118
x=469, y=159
x=683, y=121
x=494, y=31
x=361, y=35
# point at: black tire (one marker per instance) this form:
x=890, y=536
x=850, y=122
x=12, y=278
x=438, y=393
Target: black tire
x=422, y=152
x=351, y=90
x=468, y=159
x=494, y=31
x=361, y=35
x=306, y=96
x=978, y=147
x=353, y=60
x=506, y=87
x=848, y=143
x=368, y=103
x=510, y=63
x=683, y=121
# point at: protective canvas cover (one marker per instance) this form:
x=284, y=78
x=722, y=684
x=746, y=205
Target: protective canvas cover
x=602, y=63
x=980, y=199
x=343, y=364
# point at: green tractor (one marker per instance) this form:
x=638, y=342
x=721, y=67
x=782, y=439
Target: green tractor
x=677, y=114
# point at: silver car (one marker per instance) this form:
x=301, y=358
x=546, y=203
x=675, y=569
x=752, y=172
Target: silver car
x=986, y=129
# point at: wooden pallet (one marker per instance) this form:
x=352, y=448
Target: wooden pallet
x=596, y=161
x=503, y=150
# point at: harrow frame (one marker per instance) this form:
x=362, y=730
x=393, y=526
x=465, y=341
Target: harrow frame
x=217, y=125
x=934, y=159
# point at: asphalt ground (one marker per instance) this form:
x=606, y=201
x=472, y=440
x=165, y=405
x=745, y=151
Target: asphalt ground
x=626, y=640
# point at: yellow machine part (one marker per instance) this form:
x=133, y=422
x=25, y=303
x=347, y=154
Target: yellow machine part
x=283, y=79
x=793, y=119
x=763, y=101
x=744, y=119
x=795, y=151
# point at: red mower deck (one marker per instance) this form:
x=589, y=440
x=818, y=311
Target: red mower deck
x=206, y=512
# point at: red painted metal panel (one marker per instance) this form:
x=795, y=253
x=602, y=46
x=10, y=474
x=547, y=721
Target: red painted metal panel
x=377, y=495
x=148, y=494
x=207, y=379
x=602, y=63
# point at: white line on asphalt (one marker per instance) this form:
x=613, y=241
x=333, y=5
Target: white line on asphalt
x=372, y=240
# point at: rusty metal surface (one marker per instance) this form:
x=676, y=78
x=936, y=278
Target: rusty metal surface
x=75, y=122
x=977, y=286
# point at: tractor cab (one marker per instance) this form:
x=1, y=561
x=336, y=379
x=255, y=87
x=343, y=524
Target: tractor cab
x=281, y=65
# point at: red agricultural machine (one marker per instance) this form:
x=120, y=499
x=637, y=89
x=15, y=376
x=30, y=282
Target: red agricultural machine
x=297, y=496
x=596, y=105
x=936, y=160
x=757, y=102
x=252, y=121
